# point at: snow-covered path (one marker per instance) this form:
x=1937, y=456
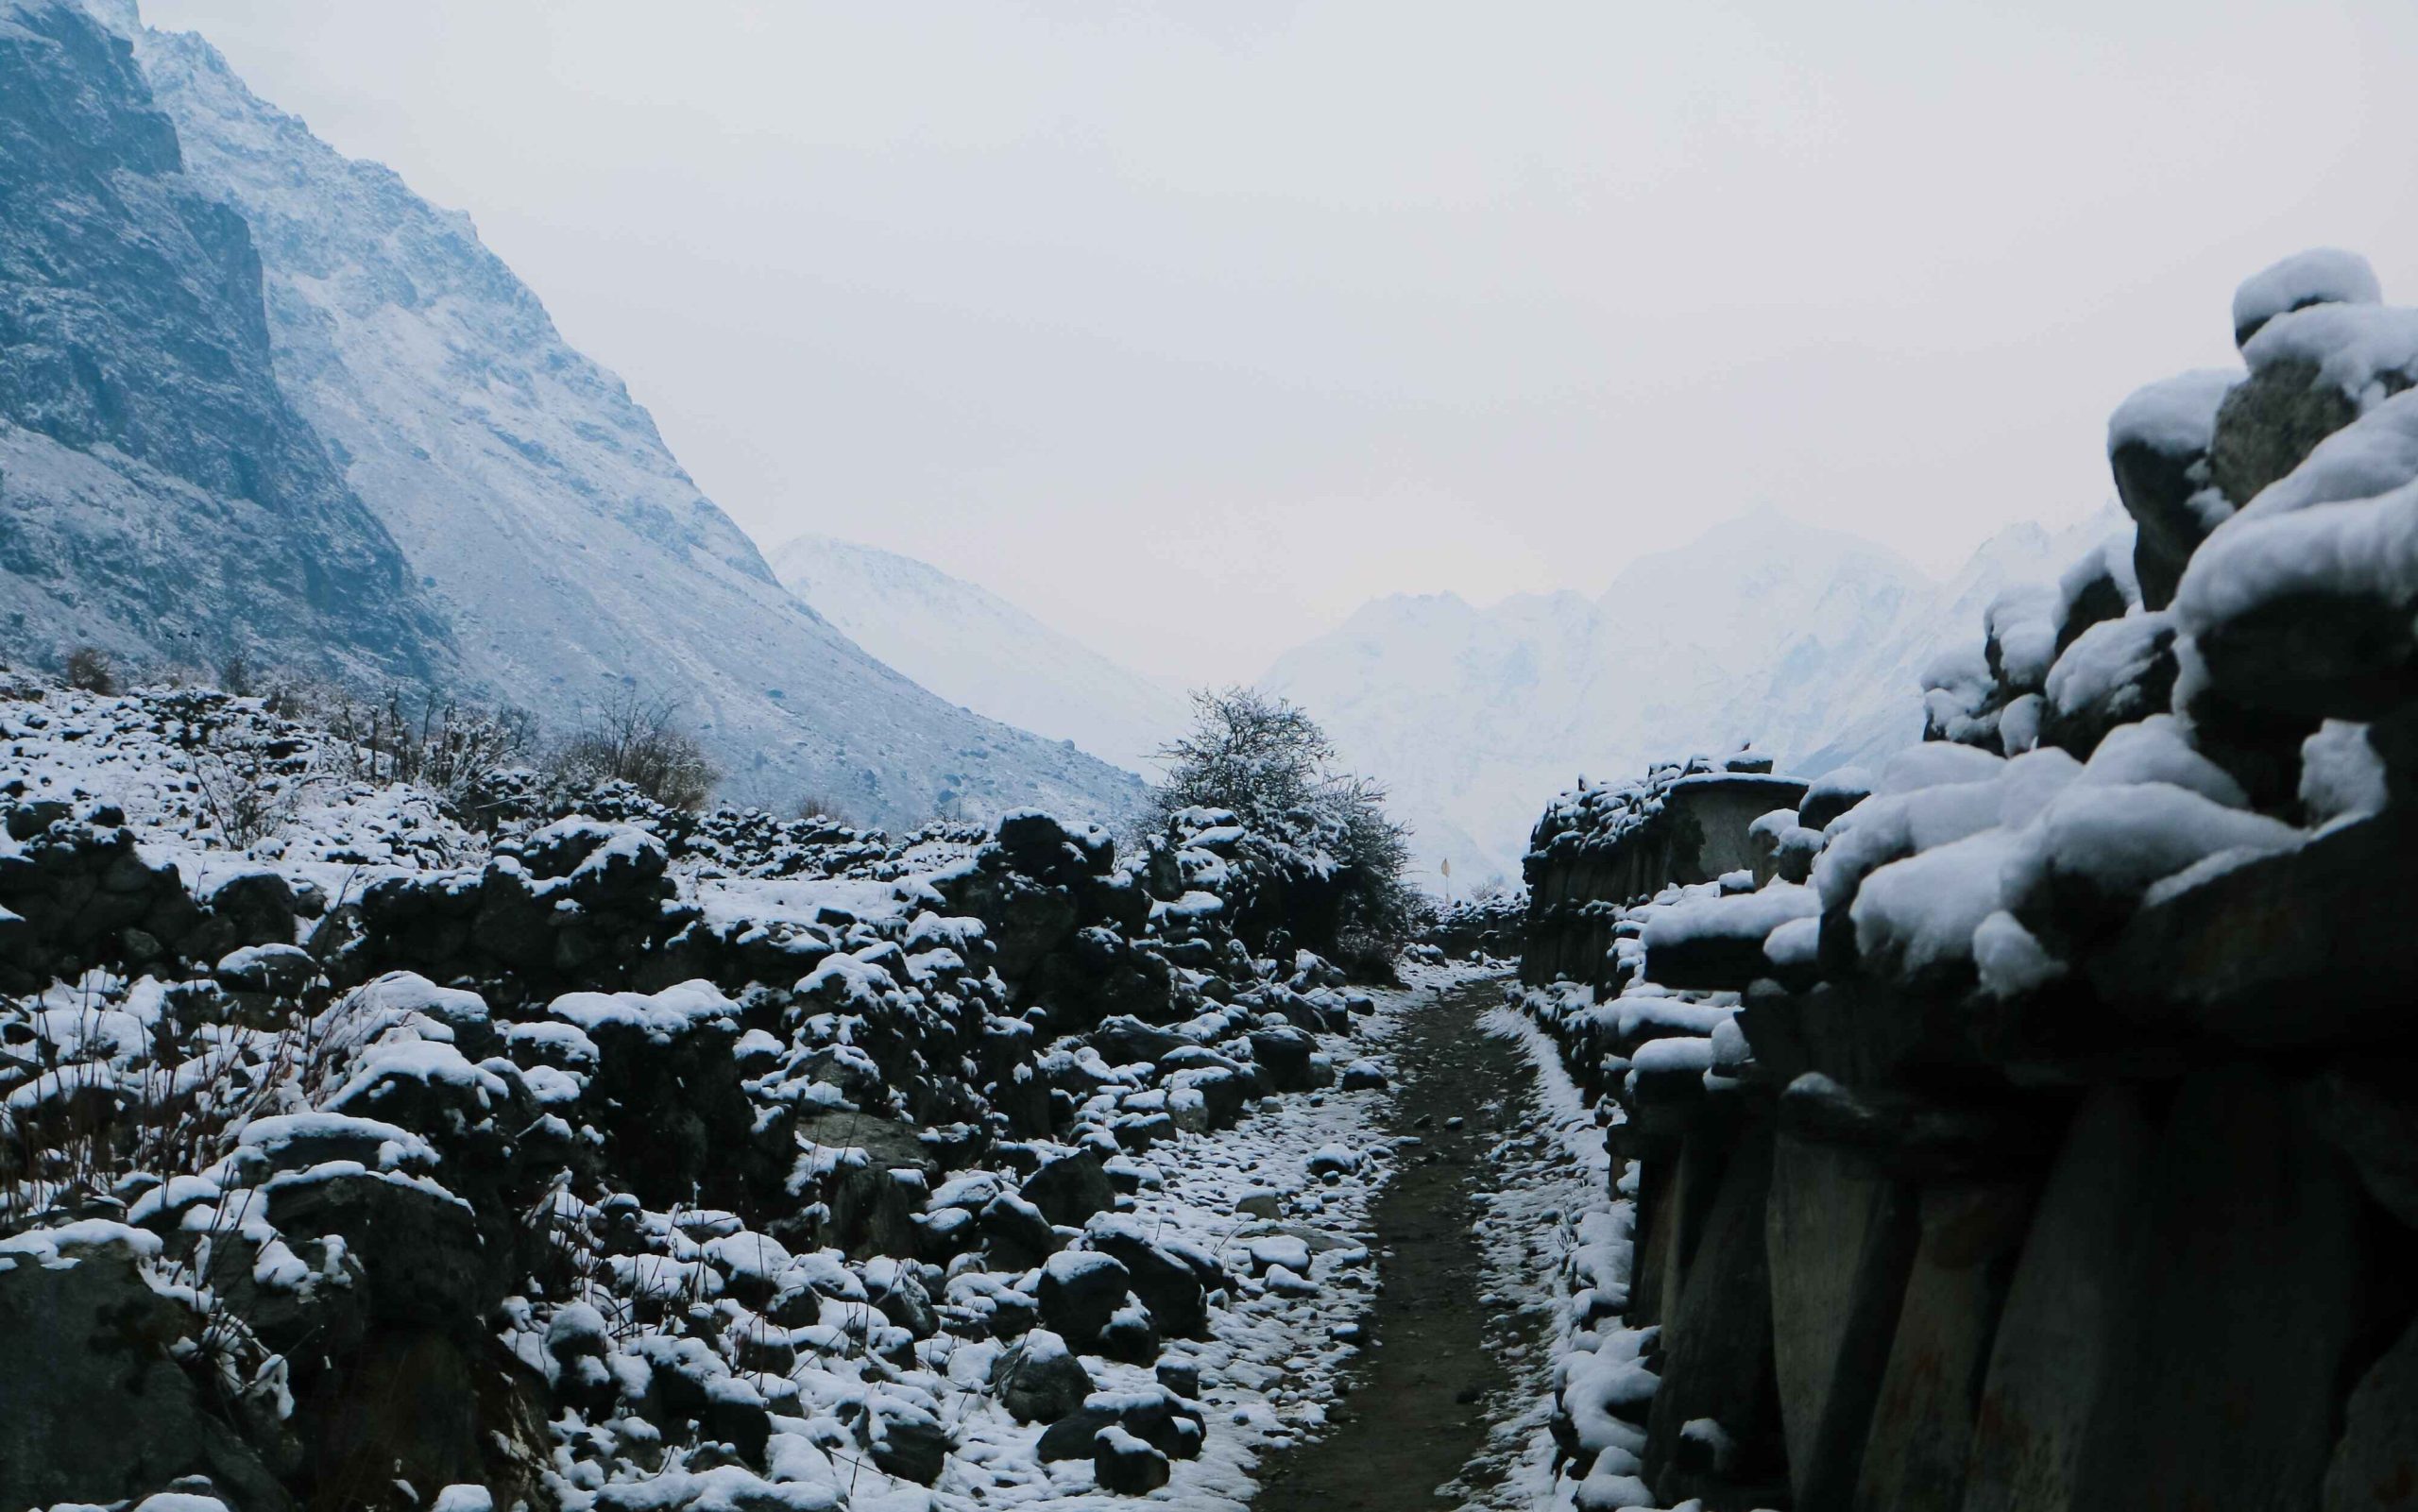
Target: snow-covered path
x=1500, y=1184
x=1286, y=1353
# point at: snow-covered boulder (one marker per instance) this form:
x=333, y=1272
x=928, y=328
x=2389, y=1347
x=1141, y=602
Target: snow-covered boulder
x=2321, y=275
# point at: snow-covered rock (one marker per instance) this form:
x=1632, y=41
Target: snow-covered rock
x=2321, y=275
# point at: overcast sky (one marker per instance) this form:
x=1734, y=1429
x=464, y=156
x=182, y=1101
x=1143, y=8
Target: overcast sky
x=1190, y=328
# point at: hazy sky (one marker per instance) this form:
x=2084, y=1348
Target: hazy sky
x=1190, y=328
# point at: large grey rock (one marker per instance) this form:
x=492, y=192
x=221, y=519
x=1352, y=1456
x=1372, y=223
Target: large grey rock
x=2269, y=423
x=1015, y=1235
x=1068, y=1189
x=1154, y=1414
x=2156, y=487
x=2283, y=950
x=2375, y=1465
x=2239, y=1307
x=1922, y=1420
x=1839, y=1237
x=2083, y=704
x=1170, y=1289
x=2091, y=595
x=1717, y=1345
x=2061, y=1312
x=2368, y=1108
x=1125, y=1464
x=421, y=1256
x=908, y=1442
x=92, y=1408
x=426, y=1408
x=1039, y=1380
x=1677, y=1193
x=1080, y=1292
x=1283, y=1056
x=2329, y=648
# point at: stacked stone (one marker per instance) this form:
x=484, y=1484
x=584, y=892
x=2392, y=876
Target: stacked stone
x=2055, y=1148
x=1599, y=846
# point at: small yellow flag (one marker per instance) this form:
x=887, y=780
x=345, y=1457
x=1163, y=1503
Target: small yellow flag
x=1446, y=868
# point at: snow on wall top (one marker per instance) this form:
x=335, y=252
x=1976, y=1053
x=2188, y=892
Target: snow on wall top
x=1590, y=816
x=2323, y=275
x=2356, y=347
x=2174, y=415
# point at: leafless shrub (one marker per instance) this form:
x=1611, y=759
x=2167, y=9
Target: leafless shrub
x=640, y=742
x=243, y=792
x=444, y=745
x=95, y=1122
x=831, y=811
x=90, y=669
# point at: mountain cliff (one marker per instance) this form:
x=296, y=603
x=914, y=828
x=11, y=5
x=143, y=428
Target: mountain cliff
x=158, y=496
x=310, y=378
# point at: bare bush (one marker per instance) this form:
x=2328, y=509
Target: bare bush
x=74, y=1131
x=92, y=669
x=640, y=742
x=446, y=746
x=241, y=801
x=829, y=810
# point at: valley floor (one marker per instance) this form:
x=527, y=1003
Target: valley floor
x=1419, y=1372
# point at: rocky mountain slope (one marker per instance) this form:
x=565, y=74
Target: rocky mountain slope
x=1808, y=641
x=971, y=646
x=533, y=500
x=159, y=497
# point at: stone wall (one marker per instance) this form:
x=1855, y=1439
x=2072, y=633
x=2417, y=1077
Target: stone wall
x=1898, y=1267
x=2037, y=1131
x=1603, y=847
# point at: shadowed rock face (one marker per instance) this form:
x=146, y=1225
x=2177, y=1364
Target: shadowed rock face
x=68, y=1431
x=157, y=495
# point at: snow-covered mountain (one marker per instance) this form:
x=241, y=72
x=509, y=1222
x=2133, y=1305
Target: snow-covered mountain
x=539, y=505
x=971, y=646
x=158, y=496
x=1808, y=643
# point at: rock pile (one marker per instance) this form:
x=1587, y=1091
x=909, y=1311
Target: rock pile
x=615, y=1159
x=2026, y=1124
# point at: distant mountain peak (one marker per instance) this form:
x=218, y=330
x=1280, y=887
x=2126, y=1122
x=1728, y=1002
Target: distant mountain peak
x=1806, y=639
x=973, y=646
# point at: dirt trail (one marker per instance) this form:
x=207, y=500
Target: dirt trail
x=1415, y=1416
